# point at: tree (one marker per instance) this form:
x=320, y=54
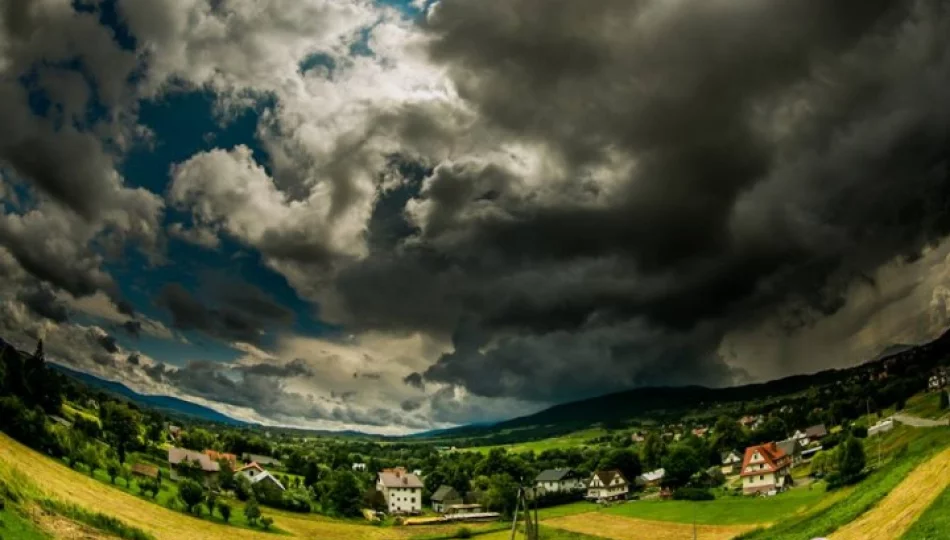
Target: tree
x=851, y=460
x=121, y=424
x=944, y=400
x=681, y=464
x=624, y=461
x=211, y=499
x=225, y=510
x=126, y=474
x=252, y=511
x=197, y=438
x=191, y=494
x=90, y=456
x=242, y=487
x=728, y=435
x=824, y=462
x=774, y=429
x=651, y=453
x=344, y=494
x=225, y=474
x=113, y=469
x=374, y=499
x=501, y=494
x=267, y=522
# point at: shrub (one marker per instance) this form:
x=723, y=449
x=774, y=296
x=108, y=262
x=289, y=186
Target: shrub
x=252, y=511
x=464, y=532
x=266, y=522
x=692, y=494
x=225, y=510
x=191, y=494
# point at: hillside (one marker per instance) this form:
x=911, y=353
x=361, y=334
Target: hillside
x=670, y=402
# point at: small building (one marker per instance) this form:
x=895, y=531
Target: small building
x=607, y=486
x=765, y=467
x=264, y=461
x=444, y=497
x=402, y=490
x=652, y=478
x=939, y=379
x=815, y=433
x=730, y=462
x=557, y=480
x=792, y=447
x=881, y=427
x=359, y=467
x=255, y=473
x=144, y=470
x=178, y=458
x=174, y=432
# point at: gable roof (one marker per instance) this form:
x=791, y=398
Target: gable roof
x=772, y=457
x=816, y=431
x=606, y=477
x=731, y=455
x=218, y=456
x=178, y=455
x=554, y=475
x=398, y=477
x=652, y=476
x=266, y=460
x=264, y=475
x=790, y=446
x=252, y=465
x=445, y=493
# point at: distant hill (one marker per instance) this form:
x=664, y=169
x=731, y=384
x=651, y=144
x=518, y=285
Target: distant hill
x=166, y=404
x=658, y=401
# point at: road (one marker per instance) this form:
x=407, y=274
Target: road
x=920, y=422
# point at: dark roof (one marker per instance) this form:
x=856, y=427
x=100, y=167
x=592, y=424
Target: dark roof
x=446, y=493
x=790, y=446
x=554, y=475
x=816, y=431
x=606, y=477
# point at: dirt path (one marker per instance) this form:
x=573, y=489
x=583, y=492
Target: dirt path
x=624, y=528
x=920, y=422
x=891, y=517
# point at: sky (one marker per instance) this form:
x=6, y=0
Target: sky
x=405, y=215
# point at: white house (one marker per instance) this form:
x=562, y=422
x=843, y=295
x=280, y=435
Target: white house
x=359, y=466
x=402, y=490
x=651, y=478
x=607, y=486
x=556, y=480
x=765, y=467
x=731, y=461
x=255, y=473
x=881, y=427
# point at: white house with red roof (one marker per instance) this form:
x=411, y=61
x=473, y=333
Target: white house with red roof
x=765, y=467
x=255, y=473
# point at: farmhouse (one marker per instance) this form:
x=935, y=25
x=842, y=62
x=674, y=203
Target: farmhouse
x=765, y=467
x=261, y=460
x=255, y=473
x=651, y=478
x=607, y=486
x=179, y=459
x=444, y=497
x=731, y=461
x=401, y=490
x=555, y=480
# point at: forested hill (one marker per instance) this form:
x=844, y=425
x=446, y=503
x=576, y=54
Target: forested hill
x=912, y=363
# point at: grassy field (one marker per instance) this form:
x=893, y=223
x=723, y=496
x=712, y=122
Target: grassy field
x=51, y=479
x=15, y=526
x=924, y=405
x=935, y=521
x=577, y=439
x=625, y=528
x=733, y=510
x=848, y=505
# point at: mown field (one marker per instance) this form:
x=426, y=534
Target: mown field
x=935, y=521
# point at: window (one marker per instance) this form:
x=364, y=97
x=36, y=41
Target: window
x=761, y=477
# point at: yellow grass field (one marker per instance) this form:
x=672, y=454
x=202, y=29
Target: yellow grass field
x=57, y=481
x=624, y=528
x=901, y=507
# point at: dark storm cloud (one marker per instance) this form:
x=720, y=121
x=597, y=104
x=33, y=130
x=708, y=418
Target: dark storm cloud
x=415, y=380
x=134, y=359
x=242, y=313
x=295, y=368
x=410, y=405
x=41, y=301
x=132, y=328
x=778, y=153
x=108, y=343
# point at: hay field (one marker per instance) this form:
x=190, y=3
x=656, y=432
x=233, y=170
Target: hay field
x=894, y=515
x=624, y=528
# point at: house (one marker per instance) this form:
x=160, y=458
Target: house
x=792, y=447
x=607, y=486
x=651, y=478
x=359, y=466
x=939, y=378
x=255, y=473
x=144, y=470
x=445, y=497
x=815, y=433
x=222, y=456
x=263, y=461
x=765, y=467
x=881, y=427
x=174, y=432
x=179, y=457
x=556, y=480
x=402, y=490
x=731, y=461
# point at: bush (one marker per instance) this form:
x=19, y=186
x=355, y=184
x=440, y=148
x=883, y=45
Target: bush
x=464, y=532
x=252, y=511
x=692, y=494
x=266, y=522
x=225, y=510
x=191, y=494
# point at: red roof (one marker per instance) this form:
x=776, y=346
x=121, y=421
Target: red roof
x=773, y=458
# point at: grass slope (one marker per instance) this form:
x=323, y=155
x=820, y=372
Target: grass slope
x=934, y=523
x=571, y=440
x=15, y=526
